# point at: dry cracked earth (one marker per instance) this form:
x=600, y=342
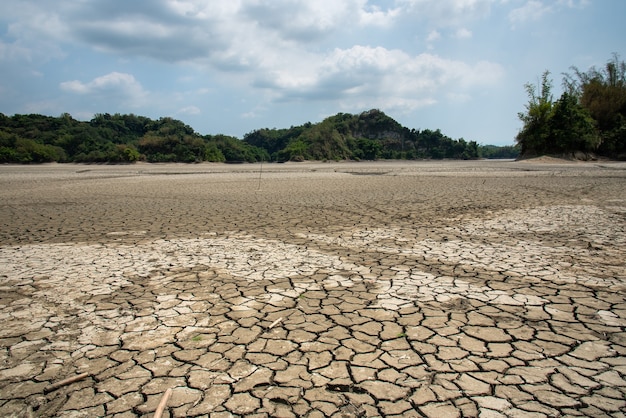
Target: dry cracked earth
x=449, y=289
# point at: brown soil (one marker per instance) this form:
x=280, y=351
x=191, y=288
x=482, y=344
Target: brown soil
x=314, y=289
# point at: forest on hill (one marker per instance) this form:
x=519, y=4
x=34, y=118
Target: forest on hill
x=128, y=138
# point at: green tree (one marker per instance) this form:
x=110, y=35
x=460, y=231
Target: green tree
x=571, y=128
x=213, y=154
x=237, y=151
x=128, y=138
x=273, y=140
x=493, y=151
x=294, y=151
x=29, y=151
x=603, y=93
x=534, y=137
x=124, y=153
x=368, y=149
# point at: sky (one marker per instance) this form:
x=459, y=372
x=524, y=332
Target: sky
x=233, y=66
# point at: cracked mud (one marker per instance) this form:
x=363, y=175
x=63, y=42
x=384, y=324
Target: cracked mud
x=493, y=289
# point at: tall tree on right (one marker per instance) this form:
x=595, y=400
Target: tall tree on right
x=603, y=93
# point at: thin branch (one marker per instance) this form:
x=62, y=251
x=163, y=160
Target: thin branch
x=65, y=382
x=166, y=397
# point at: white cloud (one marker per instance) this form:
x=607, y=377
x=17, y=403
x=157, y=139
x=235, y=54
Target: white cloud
x=446, y=13
x=120, y=87
x=374, y=16
x=392, y=79
x=189, y=110
x=463, y=33
x=575, y=4
x=432, y=37
x=277, y=43
x=278, y=46
x=310, y=21
x=31, y=20
x=309, y=56
x=254, y=113
x=532, y=10
x=111, y=81
x=34, y=32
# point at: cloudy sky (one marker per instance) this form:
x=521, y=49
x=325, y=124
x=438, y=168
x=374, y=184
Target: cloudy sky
x=232, y=66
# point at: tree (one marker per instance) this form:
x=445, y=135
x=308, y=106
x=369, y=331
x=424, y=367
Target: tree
x=534, y=136
x=213, y=154
x=493, y=151
x=603, y=93
x=127, y=138
x=368, y=149
x=294, y=151
x=561, y=127
x=571, y=128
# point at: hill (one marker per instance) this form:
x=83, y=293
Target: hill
x=119, y=138
x=369, y=135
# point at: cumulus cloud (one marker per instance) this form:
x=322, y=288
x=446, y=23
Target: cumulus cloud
x=362, y=74
x=375, y=16
x=121, y=87
x=112, y=81
x=301, y=21
x=230, y=36
x=289, y=49
x=310, y=21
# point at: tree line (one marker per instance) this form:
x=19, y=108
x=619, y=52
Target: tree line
x=114, y=139
x=128, y=138
x=370, y=135
x=588, y=118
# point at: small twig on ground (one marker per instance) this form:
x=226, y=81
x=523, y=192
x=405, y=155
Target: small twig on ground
x=273, y=324
x=64, y=382
x=166, y=397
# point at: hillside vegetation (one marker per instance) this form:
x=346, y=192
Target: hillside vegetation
x=120, y=138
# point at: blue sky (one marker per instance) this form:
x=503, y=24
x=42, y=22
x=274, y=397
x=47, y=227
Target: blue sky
x=232, y=66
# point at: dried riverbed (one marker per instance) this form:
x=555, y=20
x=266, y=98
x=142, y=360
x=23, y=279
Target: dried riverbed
x=314, y=289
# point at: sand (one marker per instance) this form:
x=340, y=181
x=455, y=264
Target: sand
x=451, y=288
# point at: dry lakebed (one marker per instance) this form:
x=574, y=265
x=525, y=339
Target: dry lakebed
x=343, y=289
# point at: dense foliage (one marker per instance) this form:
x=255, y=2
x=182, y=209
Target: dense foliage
x=115, y=139
x=589, y=117
x=128, y=138
x=370, y=135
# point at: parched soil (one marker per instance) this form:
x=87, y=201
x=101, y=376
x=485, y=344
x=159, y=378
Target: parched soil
x=491, y=288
